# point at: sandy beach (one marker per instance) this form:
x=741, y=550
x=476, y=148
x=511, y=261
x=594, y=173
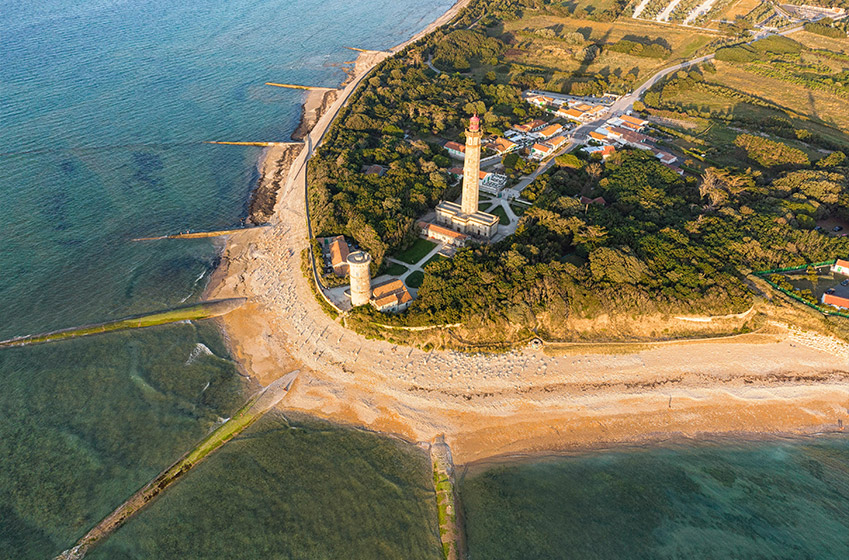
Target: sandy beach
x=781, y=380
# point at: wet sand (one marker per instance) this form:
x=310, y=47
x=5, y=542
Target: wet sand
x=524, y=401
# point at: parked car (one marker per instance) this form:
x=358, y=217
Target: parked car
x=837, y=228
x=818, y=228
x=845, y=283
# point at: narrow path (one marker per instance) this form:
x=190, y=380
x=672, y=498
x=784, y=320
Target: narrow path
x=431, y=66
x=667, y=11
x=700, y=10
x=419, y=265
x=639, y=9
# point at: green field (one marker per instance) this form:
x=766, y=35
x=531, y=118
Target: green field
x=395, y=269
x=519, y=209
x=415, y=279
x=502, y=215
x=417, y=251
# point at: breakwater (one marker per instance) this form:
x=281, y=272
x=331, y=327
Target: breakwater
x=194, y=312
x=256, y=406
x=197, y=234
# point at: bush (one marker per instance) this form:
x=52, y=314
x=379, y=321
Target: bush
x=825, y=30
x=770, y=153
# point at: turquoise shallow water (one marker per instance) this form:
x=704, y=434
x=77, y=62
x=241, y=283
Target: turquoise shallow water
x=105, y=104
x=782, y=499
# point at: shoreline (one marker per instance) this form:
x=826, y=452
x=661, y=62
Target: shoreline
x=522, y=401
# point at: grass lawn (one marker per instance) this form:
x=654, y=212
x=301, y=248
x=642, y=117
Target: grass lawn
x=484, y=206
x=415, y=279
x=417, y=251
x=519, y=209
x=502, y=215
x=395, y=269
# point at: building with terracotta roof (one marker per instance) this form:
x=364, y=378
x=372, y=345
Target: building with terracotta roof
x=605, y=151
x=598, y=137
x=456, y=150
x=443, y=234
x=634, y=121
x=556, y=142
x=502, y=145
x=570, y=114
x=540, y=151
x=375, y=169
x=391, y=297
x=835, y=300
x=840, y=266
x=541, y=100
x=549, y=131
x=338, y=250
x=664, y=157
x=531, y=126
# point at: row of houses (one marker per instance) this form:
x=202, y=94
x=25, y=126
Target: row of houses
x=573, y=109
x=542, y=150
x=627, y=130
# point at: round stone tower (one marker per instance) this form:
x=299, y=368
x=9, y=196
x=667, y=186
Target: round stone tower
x=358, y=268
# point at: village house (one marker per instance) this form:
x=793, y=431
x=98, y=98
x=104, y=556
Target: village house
x=541, y=100
x=605, y=151
x=664, y=157
x=337, y=249
x=840, y=266
x=531, y=126
x=391, y=297
x=540, y=151
x=502, y=146
x=456, y=150
x=568, y=113
x=375, y=169
x=443, y=234
x=556, y=142
x=549, y=131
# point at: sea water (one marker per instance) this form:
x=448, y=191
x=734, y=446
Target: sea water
x=104, y=108
x=728, y=499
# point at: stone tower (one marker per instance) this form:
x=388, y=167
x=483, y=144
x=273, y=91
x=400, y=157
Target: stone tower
x=358, y=268
x=472, y=167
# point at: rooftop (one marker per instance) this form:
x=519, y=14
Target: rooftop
x=360, y=257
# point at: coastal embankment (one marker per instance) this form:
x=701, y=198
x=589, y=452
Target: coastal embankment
x=193, y=312
x=512, y=402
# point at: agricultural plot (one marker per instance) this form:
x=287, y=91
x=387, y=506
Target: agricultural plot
x=682, y=10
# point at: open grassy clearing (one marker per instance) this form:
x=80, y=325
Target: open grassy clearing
x=395, y=269
x=502, y=215
x=814, y=41
x=739, y=8
x=815, y=103
x=415, y=279
x=417, y=251
x=557, y=54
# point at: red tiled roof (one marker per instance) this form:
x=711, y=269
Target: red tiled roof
x=391, y=293
x=841, y=262
x=442, y=230
x=338, y=251
x=831, y=299
x=455, y=146
x=634, y=120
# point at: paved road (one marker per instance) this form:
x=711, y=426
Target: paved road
x=620, y=106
